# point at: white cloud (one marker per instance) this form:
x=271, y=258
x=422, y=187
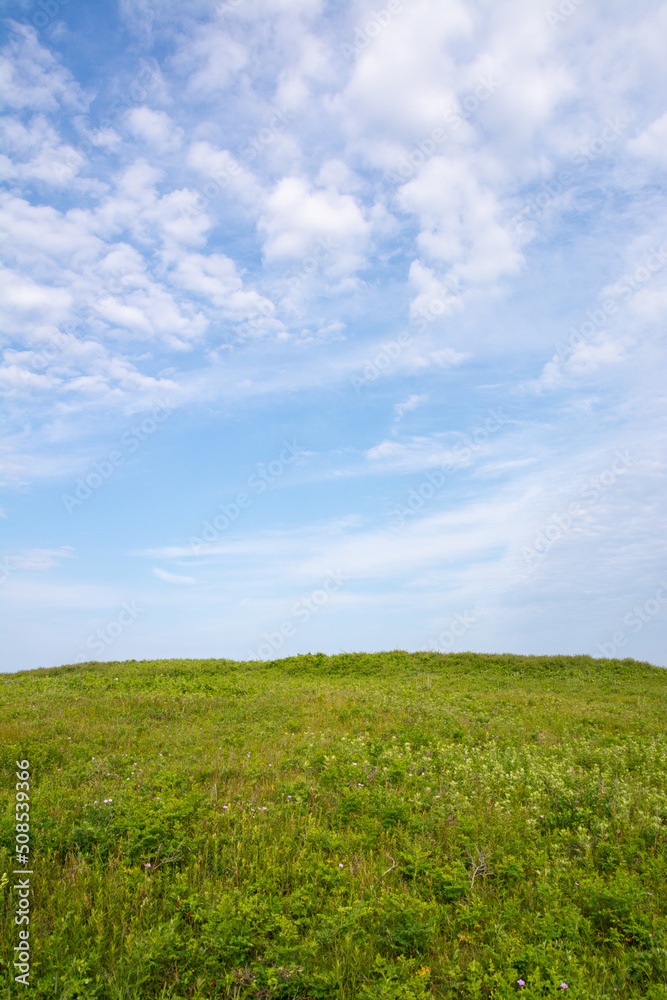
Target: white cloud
x=162, y=574
x=585, y=360
x=417, y=454
x=460, y=218
x=411, y=403
x=328, y=226
x=156, y=128
x=32, y=78
x=651, y=143
x=223, y=172
x=39, y=559
x=38, y=153
x=209, y=61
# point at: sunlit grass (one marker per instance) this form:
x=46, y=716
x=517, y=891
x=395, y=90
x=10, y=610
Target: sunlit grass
x=391, y=825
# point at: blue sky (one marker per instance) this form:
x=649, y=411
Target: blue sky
x=332, y=327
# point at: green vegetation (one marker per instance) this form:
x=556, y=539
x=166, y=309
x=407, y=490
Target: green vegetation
x=360, y=826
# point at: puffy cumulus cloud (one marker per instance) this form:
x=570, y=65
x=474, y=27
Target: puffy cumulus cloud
x=155, y=128
x=137, y=208
x=434, y=297
x=403, y=77
x=585, y=361
x=309, y=66
x=16, y=379
x=536, y=79
x=69, y=366
x=651, y=143
x=215, y=278
x=26, y=301
x=47, y=241
x=152, y=312
x=112, y=286
x=461, y=221
x=36, y=152
x=209, y=60
x=32, y=78
x=297, y=222
x=223, y=172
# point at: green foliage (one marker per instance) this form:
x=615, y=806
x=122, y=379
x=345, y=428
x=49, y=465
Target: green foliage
x=396, y=825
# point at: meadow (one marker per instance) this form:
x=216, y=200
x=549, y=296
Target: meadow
x=389, y=826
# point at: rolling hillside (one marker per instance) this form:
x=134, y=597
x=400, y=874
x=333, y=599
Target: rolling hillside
x=390, y=825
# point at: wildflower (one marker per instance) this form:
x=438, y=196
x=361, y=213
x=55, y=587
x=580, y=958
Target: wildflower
x=148, y=864
x=340, y=865
x=225, y=807
x=563, y=986
x=520, y=982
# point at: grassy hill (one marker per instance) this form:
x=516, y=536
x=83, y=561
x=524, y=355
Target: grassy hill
x=371, y=826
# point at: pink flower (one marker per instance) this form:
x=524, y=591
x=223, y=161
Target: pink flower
x=520, y=982
x=563, y=986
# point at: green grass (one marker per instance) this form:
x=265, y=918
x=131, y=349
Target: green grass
x=372, y=826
